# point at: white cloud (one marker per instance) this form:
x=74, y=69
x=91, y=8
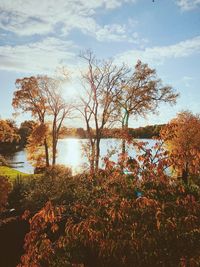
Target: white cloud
x=36, y=57
x=112, y=32
x=41, y=17
x=158, y=54
x=186, y=5
x=116, y=33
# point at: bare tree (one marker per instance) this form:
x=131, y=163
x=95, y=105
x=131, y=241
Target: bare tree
x=141, y=93
x=101, y=82
x=58, y=109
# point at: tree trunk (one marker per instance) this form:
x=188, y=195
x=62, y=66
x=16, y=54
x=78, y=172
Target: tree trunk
x=54, y=152
x=92, y=158
x=125, y=130
x=185, y=174
x=123, y=142
x=54, y=140
x=97, y=154
x=46, y=153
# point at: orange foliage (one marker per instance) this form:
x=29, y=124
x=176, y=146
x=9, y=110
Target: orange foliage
x=7, y=132
x=182, y=138
x=35, y=146
x=5, y=188
x=141, y=219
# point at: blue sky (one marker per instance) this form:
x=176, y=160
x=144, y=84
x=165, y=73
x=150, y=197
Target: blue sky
x=38, y=36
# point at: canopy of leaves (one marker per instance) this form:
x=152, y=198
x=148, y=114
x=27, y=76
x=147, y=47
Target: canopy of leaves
x=141, y=92
x=182, y=137
x=8, y=132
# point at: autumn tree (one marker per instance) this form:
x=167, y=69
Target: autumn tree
x=100, y=81
x=58, y=110
x=30, y=97
x=141, y=93
x=8, y=133
x=42, y=97
x=182, y=138
x=9, y=137
x=25, y=130
x=35, y=144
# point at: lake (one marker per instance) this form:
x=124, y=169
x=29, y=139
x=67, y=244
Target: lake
x=70, y=153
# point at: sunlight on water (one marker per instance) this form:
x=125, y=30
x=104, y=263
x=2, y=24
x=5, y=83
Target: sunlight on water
x=70, y=153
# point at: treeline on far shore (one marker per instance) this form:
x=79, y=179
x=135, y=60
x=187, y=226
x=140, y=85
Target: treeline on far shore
x=148, y=132
x=17, y=137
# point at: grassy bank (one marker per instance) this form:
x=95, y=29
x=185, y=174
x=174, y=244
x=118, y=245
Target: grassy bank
x=12, y=173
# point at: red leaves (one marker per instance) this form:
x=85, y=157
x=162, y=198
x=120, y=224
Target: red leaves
x=37, y=244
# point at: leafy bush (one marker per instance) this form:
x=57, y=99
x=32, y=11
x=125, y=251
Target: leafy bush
x=16, y=197
x=51, y=185
x=109, y=219
x=5, y=188
x=106, y=226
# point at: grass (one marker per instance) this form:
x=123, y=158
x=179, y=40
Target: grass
x=11, y=173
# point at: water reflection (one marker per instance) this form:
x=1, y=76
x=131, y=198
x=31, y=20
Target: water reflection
x=70, y=154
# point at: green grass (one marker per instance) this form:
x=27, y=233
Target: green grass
x=11, y=173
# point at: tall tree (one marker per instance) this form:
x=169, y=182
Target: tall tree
x=140, y=94
x=41, y=96
x=30, y=97
x=58, y=109
x=182, y=138
x=100, y=81
x=35, y=144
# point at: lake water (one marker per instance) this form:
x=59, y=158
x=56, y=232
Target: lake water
x=70, y=153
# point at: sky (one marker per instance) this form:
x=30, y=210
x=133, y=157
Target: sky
x=37, y=37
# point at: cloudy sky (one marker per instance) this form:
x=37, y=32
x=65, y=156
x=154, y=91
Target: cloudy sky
x=38, y=36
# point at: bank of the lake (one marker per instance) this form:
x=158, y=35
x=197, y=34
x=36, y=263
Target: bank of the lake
x=11, y=173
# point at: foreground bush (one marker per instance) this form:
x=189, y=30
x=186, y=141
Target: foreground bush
x=109, y=225
x=109, y=219
x=5, y=188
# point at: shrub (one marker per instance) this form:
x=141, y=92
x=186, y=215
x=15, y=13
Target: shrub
x=5, y=188
x=111, y=227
